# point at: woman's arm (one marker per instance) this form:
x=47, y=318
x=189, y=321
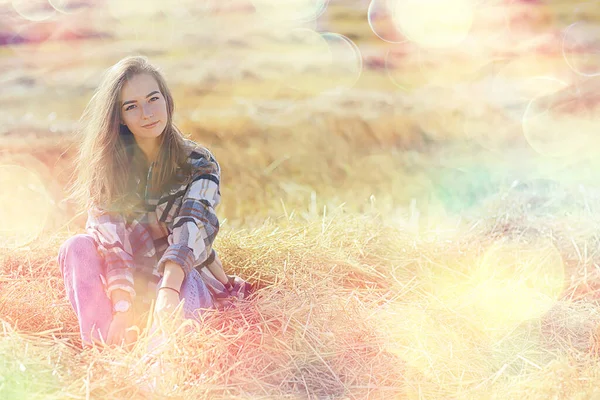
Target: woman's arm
x=109, y=231
x=196, y=225
x=173, y=276
x=216, y=268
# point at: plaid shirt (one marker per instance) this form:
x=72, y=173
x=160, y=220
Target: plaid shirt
x=178, y=225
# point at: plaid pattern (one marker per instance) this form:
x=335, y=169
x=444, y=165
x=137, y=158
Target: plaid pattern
x=178, y=225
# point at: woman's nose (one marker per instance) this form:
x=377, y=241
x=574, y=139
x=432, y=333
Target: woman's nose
x=147, y=111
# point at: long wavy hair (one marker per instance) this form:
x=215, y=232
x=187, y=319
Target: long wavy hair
x=104, y=163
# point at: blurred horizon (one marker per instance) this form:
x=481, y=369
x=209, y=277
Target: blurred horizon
x=442, y=103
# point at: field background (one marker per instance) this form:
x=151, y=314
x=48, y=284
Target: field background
x=412, y=185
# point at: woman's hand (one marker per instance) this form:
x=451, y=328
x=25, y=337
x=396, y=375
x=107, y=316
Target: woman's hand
x=167, y=301
x=121, y=329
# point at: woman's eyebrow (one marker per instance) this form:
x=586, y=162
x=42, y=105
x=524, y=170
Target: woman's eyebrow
x=133, y=101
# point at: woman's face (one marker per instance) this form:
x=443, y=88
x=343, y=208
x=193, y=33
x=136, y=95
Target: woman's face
x=143, y=107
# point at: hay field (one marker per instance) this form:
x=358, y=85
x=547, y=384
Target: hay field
x=411, y=185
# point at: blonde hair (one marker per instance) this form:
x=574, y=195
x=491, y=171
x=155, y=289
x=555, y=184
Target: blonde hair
x=104, y=161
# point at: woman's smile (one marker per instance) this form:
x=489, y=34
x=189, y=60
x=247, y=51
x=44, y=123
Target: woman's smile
x=150, y=126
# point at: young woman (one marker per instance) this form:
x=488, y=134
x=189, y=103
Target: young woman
x=151, y=196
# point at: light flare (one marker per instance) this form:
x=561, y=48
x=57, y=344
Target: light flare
x=434, y=23
x=290, y=10
x=68, y=6
x=284, y=67
x=494, y=116
x=34, y=10
x=562, y=124
x=433, y=344
x=346, y=62
x=24, y=206
x=379, y=17
x=521, y=80
x=137, y=8
x=411, y=68
x=515, y=282
x=581, y=48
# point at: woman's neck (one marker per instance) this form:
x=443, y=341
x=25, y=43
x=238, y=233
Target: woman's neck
x=150, y=149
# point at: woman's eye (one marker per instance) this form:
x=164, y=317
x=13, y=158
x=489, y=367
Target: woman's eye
x=129, y=107
x=154, y=98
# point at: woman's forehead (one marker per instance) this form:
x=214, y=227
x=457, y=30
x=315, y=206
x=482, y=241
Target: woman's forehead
x=139, y=86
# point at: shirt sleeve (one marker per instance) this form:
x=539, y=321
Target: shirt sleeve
x=109, y=231
x=196, y=225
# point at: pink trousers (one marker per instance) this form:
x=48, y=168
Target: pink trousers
x=84, y=273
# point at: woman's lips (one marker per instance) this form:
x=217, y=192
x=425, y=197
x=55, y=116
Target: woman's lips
x=152, y=125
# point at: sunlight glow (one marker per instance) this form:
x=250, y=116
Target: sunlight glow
x=523, y=79
x=123, y=9
x=24, y=206
x=561, y=124
x=493, y=113
x=284, y=67
x=434, y=23
x=581, y=48
x=432, y=345
x=402, y=67
x=307, y=57
x=68, y=6
x=515, y=282
x=491, y=22
x=379, y=17
x=346, y=61
x=490, y=126
x=440, y=67
x=294, y=59
x=34, y=10
x=291, y=10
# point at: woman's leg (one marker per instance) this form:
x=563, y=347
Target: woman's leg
x=84, y=272
x=196, y=294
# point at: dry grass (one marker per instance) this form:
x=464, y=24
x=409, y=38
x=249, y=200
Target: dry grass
x=350, y=306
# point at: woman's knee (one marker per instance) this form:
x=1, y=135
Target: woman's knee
x=78, y=243
x=195, y=292
x=78, y=246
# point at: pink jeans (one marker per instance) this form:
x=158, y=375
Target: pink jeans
x=84, y=273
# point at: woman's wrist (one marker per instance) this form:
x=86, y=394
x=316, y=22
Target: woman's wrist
x=169, y=289
x=119, y=295
x=127, y=315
